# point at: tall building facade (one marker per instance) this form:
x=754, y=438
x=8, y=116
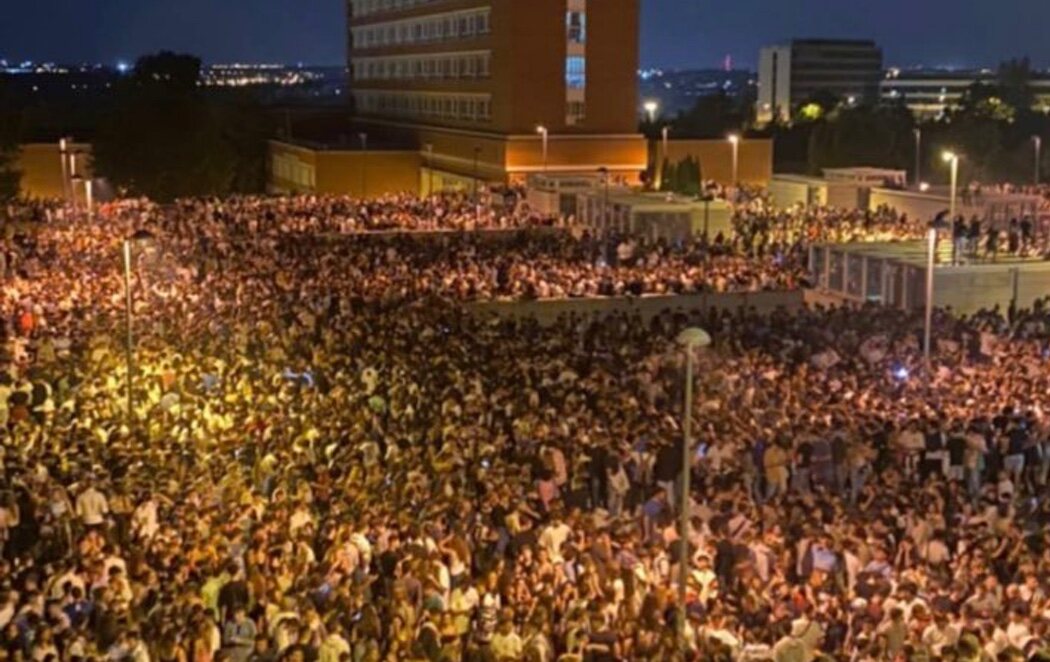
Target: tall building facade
x=791, y=74
x=499, y=89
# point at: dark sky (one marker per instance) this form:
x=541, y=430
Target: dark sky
x=676, y=33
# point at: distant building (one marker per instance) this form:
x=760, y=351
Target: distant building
x=929, y=93
x=472, y=81
x=791, y=74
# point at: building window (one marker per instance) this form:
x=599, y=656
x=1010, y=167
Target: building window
x=577, y=113
x=576, y=24
x=453, y=25
x=575, y=72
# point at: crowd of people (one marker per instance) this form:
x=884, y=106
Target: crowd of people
x=759, y=222
x=317, y=462
x=337, y=214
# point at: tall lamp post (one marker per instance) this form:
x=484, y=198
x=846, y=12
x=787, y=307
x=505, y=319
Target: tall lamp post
x=952, y=159
x=931, y=250
x=129, y=346
x=918, y=155
x=1037, y=142
x=690, y=340
x=542, y=130
x=364, y=164
x=664, y=135
x=63, y=146
x=651, y=106
x=931, y=258
x=604, y=172
x=734, y=140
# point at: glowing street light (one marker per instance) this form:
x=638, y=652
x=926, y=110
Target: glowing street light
x=734, y=140
x=952, y=158
x=63, y=151
x=918, y=153
x=690, y=340
x=1037, y=142
x=542, y=130
x=651, y=106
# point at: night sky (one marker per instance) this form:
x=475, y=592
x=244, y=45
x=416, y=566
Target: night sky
x=676, y=33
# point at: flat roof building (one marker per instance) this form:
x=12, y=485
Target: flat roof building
x=930, y=93
x=793, y=73
x=499, y=89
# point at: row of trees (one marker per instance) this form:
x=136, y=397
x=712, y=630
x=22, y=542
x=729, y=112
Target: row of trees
x=683, y=177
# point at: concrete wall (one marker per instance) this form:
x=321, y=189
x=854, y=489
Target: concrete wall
x=971, y=289
x=843, y=196
x=716, y=158
x=549, y=311
x=914, y=204
x=789, y=192
x=41, y=168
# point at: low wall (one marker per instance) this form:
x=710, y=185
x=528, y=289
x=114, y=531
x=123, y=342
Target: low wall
x=790, y=192
x=916, y=205
x=548, y=311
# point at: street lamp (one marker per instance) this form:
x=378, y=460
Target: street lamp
x=664, y=134
x=690, y=340
x=141, y=235
x=651, y=106
x=74, y=178
x=542, y=130
x=931, y=250
x=364, y=165
x=62, y=152
x=604, y=172
x=952, y=159
x=918, y=154
x=1037, y=142
x=734, y=140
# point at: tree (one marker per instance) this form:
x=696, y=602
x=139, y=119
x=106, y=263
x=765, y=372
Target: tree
x=162, y=138
x=1015, y=77
x=714, y=116
x=862, y=136
x=669, y=178
x=245, y=128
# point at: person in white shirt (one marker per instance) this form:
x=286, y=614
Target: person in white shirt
x=1017, y=631
x=553, y=537
x=940, y=634
x=506, y=643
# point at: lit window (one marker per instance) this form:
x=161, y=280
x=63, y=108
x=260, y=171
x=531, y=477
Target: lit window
x=575, y=72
